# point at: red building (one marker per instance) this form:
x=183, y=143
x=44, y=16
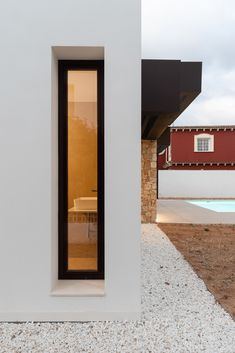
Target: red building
x=199, y=147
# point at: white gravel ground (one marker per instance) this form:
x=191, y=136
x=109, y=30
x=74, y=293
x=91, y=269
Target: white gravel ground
x=178, y=315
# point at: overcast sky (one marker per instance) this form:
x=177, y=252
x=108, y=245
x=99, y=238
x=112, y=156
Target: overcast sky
x=196, y=30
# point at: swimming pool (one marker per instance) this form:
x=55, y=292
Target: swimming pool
x=215, y=205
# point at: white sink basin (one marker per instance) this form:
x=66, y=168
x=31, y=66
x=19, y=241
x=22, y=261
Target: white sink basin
x=85, y=204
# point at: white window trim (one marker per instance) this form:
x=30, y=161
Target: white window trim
x=200, y=136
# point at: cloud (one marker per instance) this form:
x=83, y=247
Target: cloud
x=196, y=30
x=216, y=103
x=213, y=111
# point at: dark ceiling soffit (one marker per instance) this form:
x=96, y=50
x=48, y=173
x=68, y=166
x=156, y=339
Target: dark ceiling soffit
x=164, y=140
x=167, y=93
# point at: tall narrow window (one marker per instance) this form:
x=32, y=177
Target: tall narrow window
x=81, y=170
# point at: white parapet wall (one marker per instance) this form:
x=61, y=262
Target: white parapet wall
x=196, y=183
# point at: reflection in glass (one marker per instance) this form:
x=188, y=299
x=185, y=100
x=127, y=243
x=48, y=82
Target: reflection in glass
x=82, y=170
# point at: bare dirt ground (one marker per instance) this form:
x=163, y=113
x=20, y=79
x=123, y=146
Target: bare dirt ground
x=210, y=249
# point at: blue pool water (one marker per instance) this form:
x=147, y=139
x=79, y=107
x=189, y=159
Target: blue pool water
x=215, y=205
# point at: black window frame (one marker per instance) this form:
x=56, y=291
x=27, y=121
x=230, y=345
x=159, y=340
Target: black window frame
x=63, y=67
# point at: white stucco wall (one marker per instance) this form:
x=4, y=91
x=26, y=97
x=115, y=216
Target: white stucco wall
x=196, y=183
x=28, y=137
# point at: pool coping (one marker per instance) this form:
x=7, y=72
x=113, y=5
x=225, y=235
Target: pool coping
x=181, y=211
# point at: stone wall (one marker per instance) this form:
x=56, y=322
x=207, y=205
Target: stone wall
x=148, y=181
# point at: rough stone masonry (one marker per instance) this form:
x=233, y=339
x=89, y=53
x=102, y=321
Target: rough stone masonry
x=148, y=181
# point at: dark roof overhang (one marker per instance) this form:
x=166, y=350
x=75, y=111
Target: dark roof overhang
x=168, y=87
x=164, y=140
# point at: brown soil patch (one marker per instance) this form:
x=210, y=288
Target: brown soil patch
x=210, y=249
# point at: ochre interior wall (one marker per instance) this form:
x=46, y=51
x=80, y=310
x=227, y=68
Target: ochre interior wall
x=82, y=150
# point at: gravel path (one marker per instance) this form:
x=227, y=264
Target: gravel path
x=179, y=315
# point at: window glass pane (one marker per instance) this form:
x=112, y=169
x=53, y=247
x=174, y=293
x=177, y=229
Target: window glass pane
x=203, y=144
x=82, y=170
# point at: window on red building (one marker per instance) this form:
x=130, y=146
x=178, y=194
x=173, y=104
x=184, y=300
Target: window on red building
x=204, y=143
